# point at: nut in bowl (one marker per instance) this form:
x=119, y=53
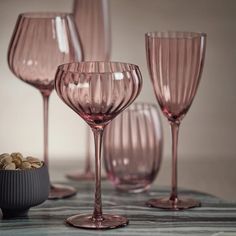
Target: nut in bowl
x=16, y=161
x=24, y=183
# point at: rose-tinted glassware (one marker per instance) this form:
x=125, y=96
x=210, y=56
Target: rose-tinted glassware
x=87, y=173
x=175, y=62
x=98, y=92
x=92, y=19
x=40, y=42
x=133, y=147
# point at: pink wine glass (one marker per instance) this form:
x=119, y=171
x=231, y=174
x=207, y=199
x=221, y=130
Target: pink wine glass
x=98, y=92
x=175, y=62
x=40, y=42
x=133, y=147
x=92, y=19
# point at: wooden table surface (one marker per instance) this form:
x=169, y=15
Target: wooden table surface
x=216, y=217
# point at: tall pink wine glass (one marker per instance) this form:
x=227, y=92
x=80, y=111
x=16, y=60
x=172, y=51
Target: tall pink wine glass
x=40, y=42
x=175, y=62
x=98, y=92
x=92, y=19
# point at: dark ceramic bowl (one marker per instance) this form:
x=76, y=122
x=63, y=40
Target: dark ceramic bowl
x=22, y=189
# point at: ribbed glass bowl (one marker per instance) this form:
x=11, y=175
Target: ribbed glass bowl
x=133, y=144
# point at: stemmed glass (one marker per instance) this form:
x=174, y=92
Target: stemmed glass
x=87, y=173
x=175, y=62
x=98, y=92
x=92, y=19
x=40, y=42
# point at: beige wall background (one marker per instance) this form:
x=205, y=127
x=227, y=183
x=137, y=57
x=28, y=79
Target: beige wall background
x=208, y=131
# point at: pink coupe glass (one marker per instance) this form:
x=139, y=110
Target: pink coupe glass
x=92, y=19
x=98, y=92
x=175, y=62
x=40, y=42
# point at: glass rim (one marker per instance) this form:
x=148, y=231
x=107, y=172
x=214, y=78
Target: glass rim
x=143, y=106
x=64, y=67
x=175, y=34
x=44, y=15
x=139, y=105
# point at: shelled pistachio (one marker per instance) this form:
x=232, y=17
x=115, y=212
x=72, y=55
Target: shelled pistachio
x=16, y=161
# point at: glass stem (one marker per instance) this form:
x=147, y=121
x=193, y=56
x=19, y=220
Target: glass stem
x=175, y=134
x=88, y=168
x=97, y=213
x=45, y=125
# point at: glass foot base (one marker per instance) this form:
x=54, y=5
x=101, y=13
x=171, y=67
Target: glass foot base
x=87, y=222
x=58, y=191
x=78, y=176
x=179, y=204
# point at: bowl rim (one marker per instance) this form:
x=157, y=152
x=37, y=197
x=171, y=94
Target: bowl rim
x=65, y=67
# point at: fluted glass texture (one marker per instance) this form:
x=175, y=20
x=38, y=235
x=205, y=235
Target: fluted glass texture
x=98, y=91
x=175, y=61
x=133, y=147
x=41, y=42
x=92, y=19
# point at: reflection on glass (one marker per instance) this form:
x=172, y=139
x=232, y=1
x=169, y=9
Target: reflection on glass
x=40, y=42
